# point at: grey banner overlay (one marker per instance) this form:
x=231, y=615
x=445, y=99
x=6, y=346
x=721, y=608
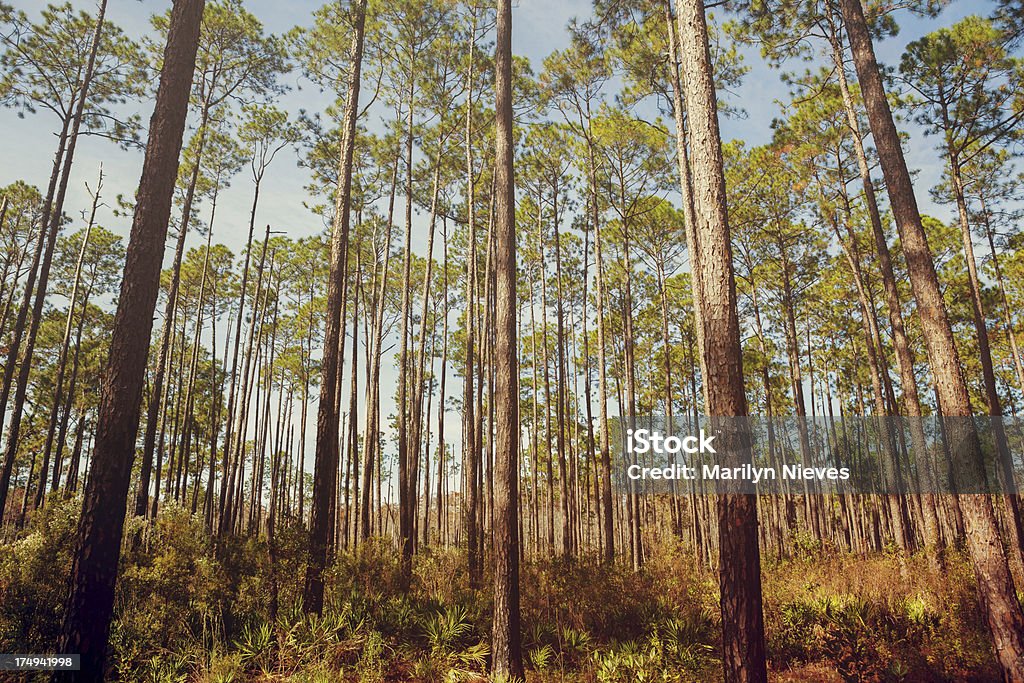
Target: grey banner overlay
x=16, y=662
x=840, y=455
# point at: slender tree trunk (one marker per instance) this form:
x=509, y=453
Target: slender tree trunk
x=1011, y=334
x=405, y=485
x=353, y=410
x=900, y=342
x=156, y=399
x=992, y=403
x=740, y=563
x=72, y=384
x=235, y=465
x=441, y=447
x=229, y=434
x=470, y=456
x=50, y=227
x=1000, y=604
x=98, y=542
x=371, y=438
x=505, y=636
x=62, y=357
x=602, y=381
x=18, y=333
x=560, y=388
x=327, y=419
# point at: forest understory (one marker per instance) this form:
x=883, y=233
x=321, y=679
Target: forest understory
x=186, y=611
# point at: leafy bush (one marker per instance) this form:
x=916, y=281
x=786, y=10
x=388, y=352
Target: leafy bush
x=34, y=574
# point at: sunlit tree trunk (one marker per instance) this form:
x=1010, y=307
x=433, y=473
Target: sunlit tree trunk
x=507, y=658
x=1002, y=609
x=325, y=471
x=743, y=651
x=900, y=342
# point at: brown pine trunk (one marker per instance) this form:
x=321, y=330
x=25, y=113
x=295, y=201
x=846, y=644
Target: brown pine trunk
x=685, y=180
x=629, y=363
x=507, y=661
x=998, y=596
x=602, y=378
x=231, y=504
x=743, y=651
x=157, y=400
x=352, y=461
x=441, y=448
x=371, y=431
x=470, y=453
x=893, y=480
x=62, y=429
x=98, y=542
x=419, y=378
x=326, y=467
x=992, y=403
x=560, y=388
x=900, y=342
x=406, y=447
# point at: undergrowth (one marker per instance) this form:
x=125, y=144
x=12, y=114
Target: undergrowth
x=191, y=611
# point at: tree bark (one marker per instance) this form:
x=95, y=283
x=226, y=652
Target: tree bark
x=507, y=659
x=998, y=595
x=470, y=454
x=743, y=650
x=90, y=603
x=327, y=418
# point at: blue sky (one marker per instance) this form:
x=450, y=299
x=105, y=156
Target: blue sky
x=29, y=142
x=539, y=29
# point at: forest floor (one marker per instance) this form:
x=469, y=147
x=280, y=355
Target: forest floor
x=187, y=611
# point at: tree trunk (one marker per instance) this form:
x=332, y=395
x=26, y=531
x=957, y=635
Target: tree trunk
x=327, y=419
x=608, y=522
x=62, y=356
x=50, y=227
x=505, y=636
x=743, y=651
x=90, y=603
x=900, y=342
x=371, y=436
x=995, y=409
x=1018, y=368
x=470, y=455
x=998, y=596
x=157, y=400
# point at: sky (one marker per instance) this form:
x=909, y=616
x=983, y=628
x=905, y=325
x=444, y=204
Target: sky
x=538, y=29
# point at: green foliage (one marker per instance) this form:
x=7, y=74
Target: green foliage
x=42, y=63
x=540, y=658
x=171, y=593
x=255, y=647
x=446, y=628
x=967, y=87
x=186, y=614
x=868, y=627
x=34, y=573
